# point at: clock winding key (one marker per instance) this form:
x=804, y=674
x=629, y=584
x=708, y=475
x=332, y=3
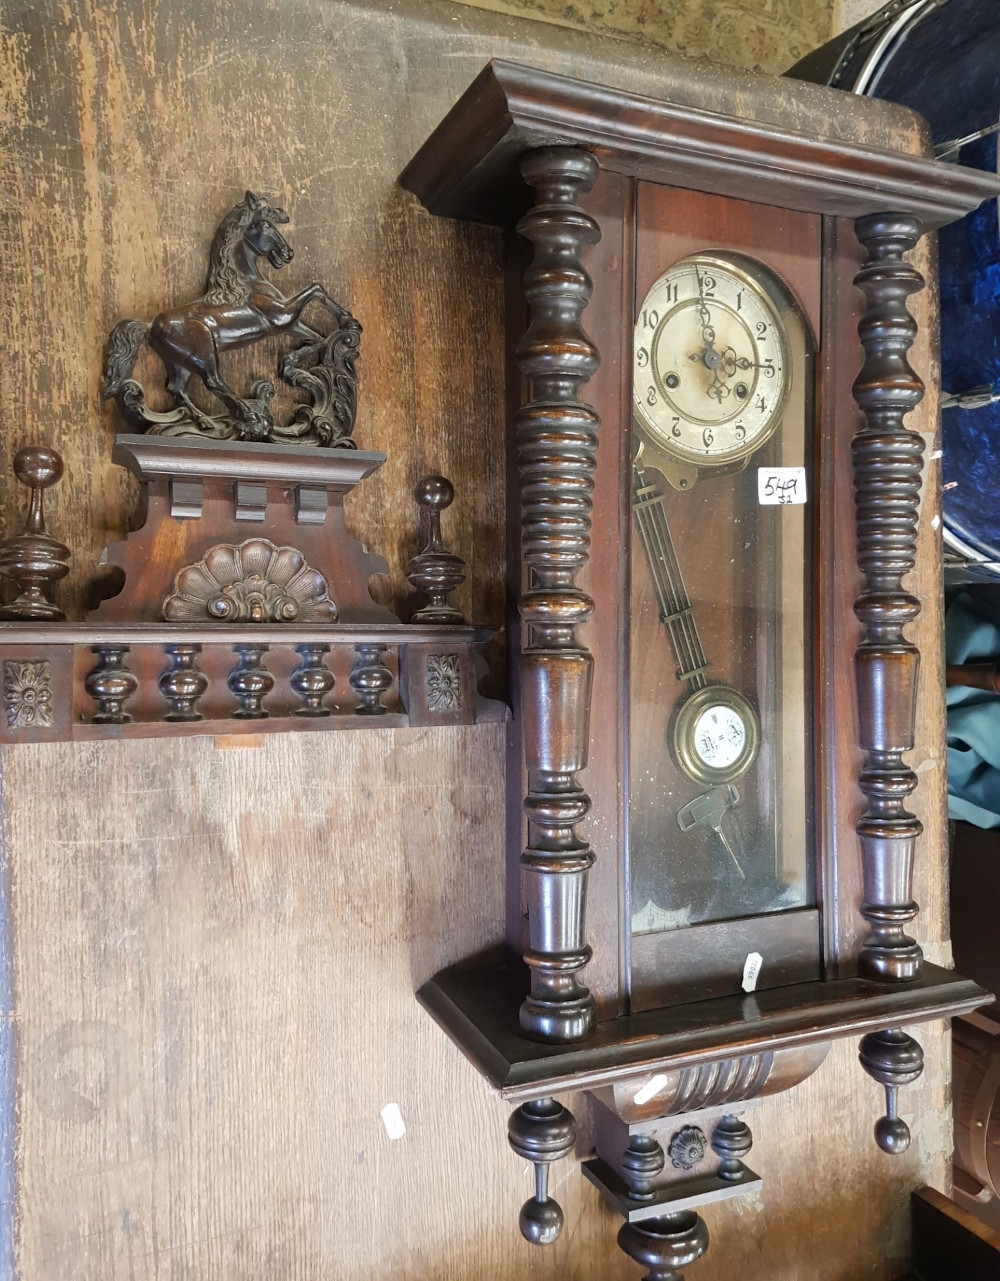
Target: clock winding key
x=709, y=810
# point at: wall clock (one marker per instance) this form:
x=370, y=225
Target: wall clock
x=699, y=917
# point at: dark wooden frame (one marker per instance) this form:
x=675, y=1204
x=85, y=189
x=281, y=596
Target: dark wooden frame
x=518, y=128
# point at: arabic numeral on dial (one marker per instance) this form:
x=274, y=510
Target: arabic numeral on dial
x=741, y=432
x=673, y=292
x=761, y=331
x=708, y=286
x=707, y=437
x=675, y=426
x=739, y=300
x=650, y=395
x=767, y=368
x=650, y=319
x=642, y=357
x=761, y=404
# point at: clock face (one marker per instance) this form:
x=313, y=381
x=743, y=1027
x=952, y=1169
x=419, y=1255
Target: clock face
x=711, y=369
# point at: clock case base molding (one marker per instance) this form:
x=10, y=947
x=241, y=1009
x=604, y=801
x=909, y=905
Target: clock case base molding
x=476, y=1003
x=562, y=161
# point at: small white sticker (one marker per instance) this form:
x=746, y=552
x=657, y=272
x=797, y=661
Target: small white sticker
x=781, y=486
x=935, y=522
x=651, y=1089
x=393, y=1121
x=751, y=971
x=937, y=453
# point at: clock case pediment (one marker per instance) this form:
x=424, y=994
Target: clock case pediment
x=566, y=163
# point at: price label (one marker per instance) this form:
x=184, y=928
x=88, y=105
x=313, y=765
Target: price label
x=781, y=486
x=751, y=971
x=393, y=1121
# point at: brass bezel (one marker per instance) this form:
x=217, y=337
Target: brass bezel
x=682, y=726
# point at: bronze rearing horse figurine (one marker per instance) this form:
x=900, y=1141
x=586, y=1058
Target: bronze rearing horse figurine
x=239, y=307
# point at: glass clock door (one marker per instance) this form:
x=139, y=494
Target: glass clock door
x=719, y=839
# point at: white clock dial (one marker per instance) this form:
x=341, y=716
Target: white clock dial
x=710, y=362
x=719, y=736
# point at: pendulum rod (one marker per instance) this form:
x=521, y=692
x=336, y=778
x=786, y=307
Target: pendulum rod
x=675, y=605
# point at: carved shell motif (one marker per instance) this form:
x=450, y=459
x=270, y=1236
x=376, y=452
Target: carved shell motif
x=253, y=582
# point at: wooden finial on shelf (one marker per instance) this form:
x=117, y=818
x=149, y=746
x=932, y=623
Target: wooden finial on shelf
x=436, y=571
x=33, y=561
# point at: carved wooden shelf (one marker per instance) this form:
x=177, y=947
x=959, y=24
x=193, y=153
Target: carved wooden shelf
x=244, y=607
x=84, y=680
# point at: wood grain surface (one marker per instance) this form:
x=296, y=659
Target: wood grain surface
x=210, y=954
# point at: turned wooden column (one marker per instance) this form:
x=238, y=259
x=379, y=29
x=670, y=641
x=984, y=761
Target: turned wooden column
x=887, y=477
x=556, y=447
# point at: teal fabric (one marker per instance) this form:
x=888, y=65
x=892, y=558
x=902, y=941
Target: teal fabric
x=972, y=633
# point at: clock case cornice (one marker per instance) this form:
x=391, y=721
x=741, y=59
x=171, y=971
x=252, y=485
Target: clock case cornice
x=468, y=167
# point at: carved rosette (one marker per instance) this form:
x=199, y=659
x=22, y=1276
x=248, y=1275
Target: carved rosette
x=27, y=694
x=687, y=1147
x=444, y=683
x=556, y=448
x=253, y=582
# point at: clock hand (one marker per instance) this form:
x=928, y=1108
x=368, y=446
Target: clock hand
x=710, y=358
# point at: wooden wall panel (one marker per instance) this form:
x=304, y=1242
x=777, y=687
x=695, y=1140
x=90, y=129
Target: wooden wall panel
x=211, y=953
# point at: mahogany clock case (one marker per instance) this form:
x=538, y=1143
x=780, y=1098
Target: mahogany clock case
x=663, y=190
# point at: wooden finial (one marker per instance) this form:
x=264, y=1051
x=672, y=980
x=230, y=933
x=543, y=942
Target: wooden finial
x=541, y=1131
x=894, y=1059
x=436, y=571
x=32, y=561
x=665, y=1243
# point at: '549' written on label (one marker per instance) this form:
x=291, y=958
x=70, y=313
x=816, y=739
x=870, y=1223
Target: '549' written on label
x=781, y=486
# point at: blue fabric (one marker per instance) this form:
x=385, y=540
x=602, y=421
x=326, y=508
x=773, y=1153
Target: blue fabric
x=972, y=633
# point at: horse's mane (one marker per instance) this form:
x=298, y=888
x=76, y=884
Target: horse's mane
x=225, y=284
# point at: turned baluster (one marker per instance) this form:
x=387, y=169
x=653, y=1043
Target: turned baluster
x=33, y=561
x=887, y=477
x=664, y=1242
x=110, y=684
x=369, y=679
x=642, y=1161
x=731, y=1141
x=541, y=1132
x=312, y=680
x=183, y=683
x=556, y=453
x=436, y=571
x=250, y=682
